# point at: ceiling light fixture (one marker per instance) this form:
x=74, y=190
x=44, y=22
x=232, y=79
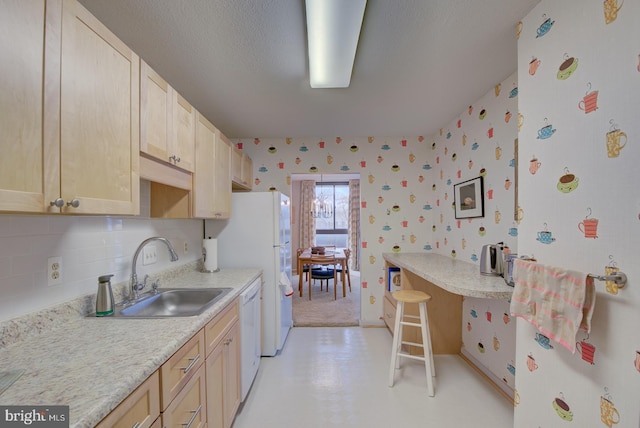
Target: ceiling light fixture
x=333, y=30
x=322, y=206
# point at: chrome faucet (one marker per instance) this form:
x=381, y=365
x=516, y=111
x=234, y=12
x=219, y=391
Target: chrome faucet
x=136, y=286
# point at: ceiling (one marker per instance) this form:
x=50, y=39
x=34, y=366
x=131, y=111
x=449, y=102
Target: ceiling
x=243, y=63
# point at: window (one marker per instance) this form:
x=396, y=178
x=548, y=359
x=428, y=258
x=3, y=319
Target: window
x=332, y=228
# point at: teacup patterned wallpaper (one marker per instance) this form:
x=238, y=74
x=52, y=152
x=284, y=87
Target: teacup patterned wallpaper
x=579, y=97
x=406, y=202
x=395, y=186
x=480, y=142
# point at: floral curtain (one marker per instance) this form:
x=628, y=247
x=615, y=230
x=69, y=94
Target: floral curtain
x=354, y=224
x=307, y=222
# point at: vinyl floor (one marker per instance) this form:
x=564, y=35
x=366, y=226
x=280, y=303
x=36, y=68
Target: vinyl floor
x=337, y=377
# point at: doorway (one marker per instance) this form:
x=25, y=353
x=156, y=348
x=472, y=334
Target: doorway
x=329, y=211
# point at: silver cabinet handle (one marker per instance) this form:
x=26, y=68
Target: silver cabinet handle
x=192, y=361
x=136, y=425
x=57, y=203
x=193, y=417
x=73, y=203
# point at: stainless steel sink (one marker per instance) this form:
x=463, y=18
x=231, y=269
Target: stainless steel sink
x=173, y=302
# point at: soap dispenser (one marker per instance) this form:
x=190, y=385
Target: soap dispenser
x=104, y=298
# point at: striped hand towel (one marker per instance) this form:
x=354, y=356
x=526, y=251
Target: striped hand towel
x=557, y=301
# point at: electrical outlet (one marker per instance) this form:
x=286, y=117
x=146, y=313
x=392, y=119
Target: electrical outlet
x=150, y=256
x=186, y=247
x=54, y=271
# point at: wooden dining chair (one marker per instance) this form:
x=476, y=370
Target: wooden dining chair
x=306, y=269
x=347, y=255
x=324, y=269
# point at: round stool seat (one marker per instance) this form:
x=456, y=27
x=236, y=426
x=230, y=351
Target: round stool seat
x=411, y=296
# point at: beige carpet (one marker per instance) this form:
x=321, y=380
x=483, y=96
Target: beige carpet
x=322, y=310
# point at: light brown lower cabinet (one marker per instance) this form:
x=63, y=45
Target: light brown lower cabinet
x=140, y=409
x=189, y=391
x=389, y=310
x=189, y=408
x=222, y=338
x=223, y=380
x=177, y=370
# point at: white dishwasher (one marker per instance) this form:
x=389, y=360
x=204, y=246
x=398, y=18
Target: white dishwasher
x=250, y=334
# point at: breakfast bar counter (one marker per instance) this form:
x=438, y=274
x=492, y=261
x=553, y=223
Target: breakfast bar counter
x=454, y=276
x=447, y=280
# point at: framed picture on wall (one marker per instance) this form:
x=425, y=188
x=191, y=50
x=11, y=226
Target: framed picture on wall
x=469, y=198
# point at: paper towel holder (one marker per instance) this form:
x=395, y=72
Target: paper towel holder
x=205, y=268
x=204, y=259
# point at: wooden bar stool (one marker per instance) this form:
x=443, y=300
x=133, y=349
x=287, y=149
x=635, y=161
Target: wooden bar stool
x=421, y=298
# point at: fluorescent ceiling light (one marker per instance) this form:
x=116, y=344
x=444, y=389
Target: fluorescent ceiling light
x=333, y=29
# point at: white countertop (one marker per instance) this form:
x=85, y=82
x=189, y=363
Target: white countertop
x=92, y=364
x=455, y=276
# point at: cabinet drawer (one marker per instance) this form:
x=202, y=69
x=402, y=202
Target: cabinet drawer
x=189, y=409
x=389, y=311
x=178, y=369
x=218, y=327
x=141, y=408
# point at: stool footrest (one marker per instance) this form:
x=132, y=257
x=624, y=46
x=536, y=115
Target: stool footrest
x=415, y=357
x=413, y=324
x=415, y=317
x=412, y=344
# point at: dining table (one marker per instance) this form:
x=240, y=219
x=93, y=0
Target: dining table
x=308, y=258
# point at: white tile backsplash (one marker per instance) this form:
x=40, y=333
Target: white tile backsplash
x=89, y=247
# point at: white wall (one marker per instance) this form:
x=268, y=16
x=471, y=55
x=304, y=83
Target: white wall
x=89, y=247
x=608, y=62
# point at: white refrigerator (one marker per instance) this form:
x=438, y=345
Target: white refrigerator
x=259, y=235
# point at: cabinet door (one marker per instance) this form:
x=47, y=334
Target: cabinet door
x=218, y=327
x=22, y=36
x=236, y=165
x=223, y=380
x=222, y=179
x=99, y=117
x=247, y=171
x=141, y=408
x=167, y=121
x=232, y=372
x=215, y=387
x=241, y=170
x=203, y=174
x=184, y=132
x=155, y=113
x=389, y=311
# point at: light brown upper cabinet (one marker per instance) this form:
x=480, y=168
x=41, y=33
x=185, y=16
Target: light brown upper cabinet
x=167, y=121
x=222, y=179
x=99, y=118
x=22, y=36
x=212, y=175
x=241, y=170
x=71, y=120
